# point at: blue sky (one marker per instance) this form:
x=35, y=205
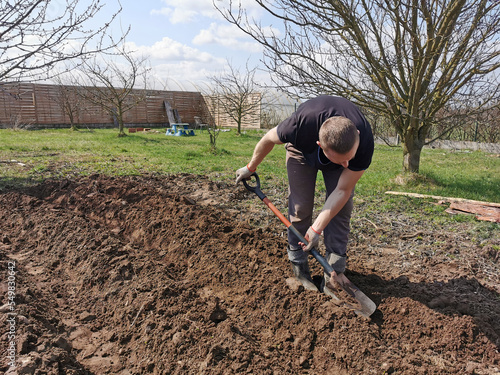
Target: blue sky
x=185, y=40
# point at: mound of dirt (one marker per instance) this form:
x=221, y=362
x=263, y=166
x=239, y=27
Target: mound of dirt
x=181, y=275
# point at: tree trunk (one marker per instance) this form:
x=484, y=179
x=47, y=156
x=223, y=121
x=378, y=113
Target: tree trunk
x=119, y=118
x=213, y=141
x=239, y=121
x=72, y=122
x=121, y=132
x=412, y=148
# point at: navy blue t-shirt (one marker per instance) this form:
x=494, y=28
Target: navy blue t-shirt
x=301, y=129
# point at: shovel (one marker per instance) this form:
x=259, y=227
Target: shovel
x=349, y=294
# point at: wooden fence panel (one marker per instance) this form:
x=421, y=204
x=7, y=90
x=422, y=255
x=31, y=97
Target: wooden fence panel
x=40, y=105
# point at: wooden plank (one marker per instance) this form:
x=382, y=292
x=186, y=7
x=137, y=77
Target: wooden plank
x=481, y=211
x=170, y=112
x=446, y=199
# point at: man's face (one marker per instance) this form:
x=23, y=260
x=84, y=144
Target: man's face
x=341, y=159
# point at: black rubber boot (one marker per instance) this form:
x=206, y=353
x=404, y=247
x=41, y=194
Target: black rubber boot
x=302, y=273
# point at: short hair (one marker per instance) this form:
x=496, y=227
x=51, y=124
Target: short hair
x=338, y=134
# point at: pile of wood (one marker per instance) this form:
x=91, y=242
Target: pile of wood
x=488, y=211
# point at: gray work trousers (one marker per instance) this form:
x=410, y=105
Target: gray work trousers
x=301, y=189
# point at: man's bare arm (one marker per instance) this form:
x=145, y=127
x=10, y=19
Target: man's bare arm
x=338, y=198
x=264, y=147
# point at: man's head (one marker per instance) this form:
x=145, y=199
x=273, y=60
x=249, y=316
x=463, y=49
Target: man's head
x=339, y=139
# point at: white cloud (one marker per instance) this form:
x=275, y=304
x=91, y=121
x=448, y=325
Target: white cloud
x=228, y=36
x=168, y=49
x=186, y=11
x=184, y=76
x=181, y=66
x=200, y=49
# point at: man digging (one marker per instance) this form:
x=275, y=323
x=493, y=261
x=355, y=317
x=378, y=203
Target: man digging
x=331, y=135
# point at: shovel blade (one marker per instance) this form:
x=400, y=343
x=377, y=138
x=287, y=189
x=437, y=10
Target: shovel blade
x=350, y=295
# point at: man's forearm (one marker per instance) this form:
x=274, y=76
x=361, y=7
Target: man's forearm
x=337, y=199
x=263, y=148
x=332, y=206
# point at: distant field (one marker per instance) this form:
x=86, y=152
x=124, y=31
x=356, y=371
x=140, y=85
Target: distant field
x=64, y=153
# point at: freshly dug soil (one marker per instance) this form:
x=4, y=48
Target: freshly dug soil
x=182, y=275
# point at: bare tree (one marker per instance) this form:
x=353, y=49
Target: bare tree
x=70, y=101
x=236, y=93
x=115, y=86
x=405, y=59
x=213, y=124
x=37, y=34
x=490, y=132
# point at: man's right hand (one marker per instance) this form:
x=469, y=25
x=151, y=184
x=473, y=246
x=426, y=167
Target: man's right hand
x=242, y=174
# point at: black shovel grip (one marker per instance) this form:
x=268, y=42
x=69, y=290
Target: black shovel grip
x=254, y=189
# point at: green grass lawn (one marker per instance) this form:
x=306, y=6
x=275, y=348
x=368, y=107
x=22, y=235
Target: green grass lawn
x=66, y=153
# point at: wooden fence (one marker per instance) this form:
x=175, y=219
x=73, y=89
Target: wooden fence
x=41, y=106
x=216, y=109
